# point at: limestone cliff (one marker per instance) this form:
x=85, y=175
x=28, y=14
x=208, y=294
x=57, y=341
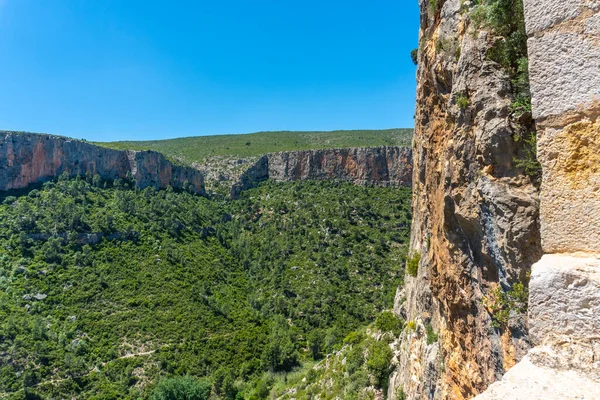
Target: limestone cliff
x=475, y=231
x=564, y=301
x=27, y=159
x=381, y=166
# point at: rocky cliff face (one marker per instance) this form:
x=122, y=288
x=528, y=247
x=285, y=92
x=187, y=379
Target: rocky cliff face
x=564, y=301
x=382, y=166
x=475, y=230
x=27, y=159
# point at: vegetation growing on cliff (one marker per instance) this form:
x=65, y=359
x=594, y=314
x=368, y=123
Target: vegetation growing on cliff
x=105, y=289
x=503, y=305
x=412, y=264
x=359, y=370
x=505, y=18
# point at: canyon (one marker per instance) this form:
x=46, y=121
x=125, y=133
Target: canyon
x=27, y=159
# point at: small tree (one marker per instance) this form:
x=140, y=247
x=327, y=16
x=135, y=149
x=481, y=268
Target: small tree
x=181, y=388
x=379, y=361
x=414, y=56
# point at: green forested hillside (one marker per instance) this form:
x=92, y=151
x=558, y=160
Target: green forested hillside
x=107, y=290
x=197, y=149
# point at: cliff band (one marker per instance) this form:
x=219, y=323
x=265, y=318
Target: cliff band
x=381, y=166
x=27, y=159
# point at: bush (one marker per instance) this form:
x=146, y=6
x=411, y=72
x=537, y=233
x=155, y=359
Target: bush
x=379, y=362
x=414, y=56
x=354, y=337
x=400, y=395
x=432, y=337
x=412, y=264
x=462, y=101
x=433, y=7
x=529, y=161
x=181, y=388
x=502, y=304
x=387, y=321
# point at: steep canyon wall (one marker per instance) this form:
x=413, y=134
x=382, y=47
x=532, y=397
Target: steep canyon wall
x=382, y=166
x=564, y=302
x=475, y=229
x=485, y=225
x=27, y=159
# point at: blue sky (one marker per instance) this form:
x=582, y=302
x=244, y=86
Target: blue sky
x=150, y=69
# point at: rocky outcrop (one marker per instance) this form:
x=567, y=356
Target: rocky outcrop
x=564, y=301
x=381, y=166
x=258, y=172
x=475, y=229
x=27, y=159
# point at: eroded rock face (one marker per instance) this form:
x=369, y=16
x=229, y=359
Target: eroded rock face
x=564, y=300
x=27, y=159
x=381, y=166
x=475, y=215
x=565, y=285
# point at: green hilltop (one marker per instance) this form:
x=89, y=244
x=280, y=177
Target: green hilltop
x=199, y=148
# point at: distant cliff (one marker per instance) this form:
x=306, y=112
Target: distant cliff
x=380, y=166
x=27, y=159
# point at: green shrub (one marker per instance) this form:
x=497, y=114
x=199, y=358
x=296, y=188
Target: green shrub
x=462, y=101
x=433, y=7
x=379, y=362
x=354, y=337
x=411, y=326
x=529, y=161
x=355, y=358
x=502, y=304
x=400, y=395
x=412, y=264
x=181, y=388
x=414, y=56
x=387, y=321
x=432, y=337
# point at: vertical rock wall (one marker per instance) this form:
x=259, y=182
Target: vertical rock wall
x=564, y=46
x=475, y=215
x=27, y=159
x=380, y=166
x=564, y=302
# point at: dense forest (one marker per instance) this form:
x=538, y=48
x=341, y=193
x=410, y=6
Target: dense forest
x=108, y=291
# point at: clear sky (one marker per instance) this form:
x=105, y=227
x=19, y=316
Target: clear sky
x=151, y=69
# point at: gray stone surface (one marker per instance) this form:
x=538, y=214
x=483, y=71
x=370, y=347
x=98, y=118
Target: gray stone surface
x=541, y=15
x=564, y=299
x=564, y=71
x=527, y=381
x=564, y=62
